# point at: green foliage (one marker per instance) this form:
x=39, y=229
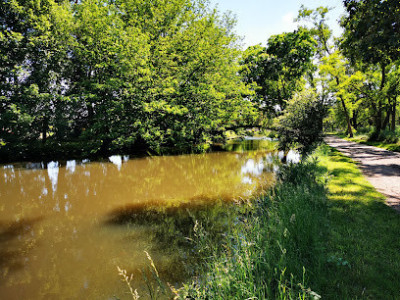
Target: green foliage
x=128, y=74
x=319, y=30
x=342, y=233
x=387, y=139
x=372, y=37
x=372, y=30
x=359, y=81
x=276, y=71
x=300, y=127
x=273, y=251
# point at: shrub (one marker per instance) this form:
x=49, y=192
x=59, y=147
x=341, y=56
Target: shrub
x=300, y=127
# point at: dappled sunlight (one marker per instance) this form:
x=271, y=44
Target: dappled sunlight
x=365, y=232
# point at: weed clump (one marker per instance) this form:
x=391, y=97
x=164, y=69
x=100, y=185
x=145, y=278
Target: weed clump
x=275, y=249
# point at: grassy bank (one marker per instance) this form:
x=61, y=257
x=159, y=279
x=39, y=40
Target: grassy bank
x=363, y=245
x=323, y=231
x=266, y=251
x=388, y=140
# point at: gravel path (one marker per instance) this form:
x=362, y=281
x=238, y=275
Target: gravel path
x=381, y=167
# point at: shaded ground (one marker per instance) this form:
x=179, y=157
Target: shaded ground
x=381, y=167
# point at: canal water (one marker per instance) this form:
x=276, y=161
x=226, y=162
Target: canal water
x=65, y=227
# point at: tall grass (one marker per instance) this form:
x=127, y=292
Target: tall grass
x=306, y=237
x=274, y=250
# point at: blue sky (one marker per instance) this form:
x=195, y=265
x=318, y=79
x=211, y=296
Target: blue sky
x=259, y=19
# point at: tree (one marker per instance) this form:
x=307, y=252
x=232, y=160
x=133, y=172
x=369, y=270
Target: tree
x=300, y=127
x=322, y=34
x=119, y=74
x=319, y=29
x=277, y=71
x=346, y=84
x=372, y=36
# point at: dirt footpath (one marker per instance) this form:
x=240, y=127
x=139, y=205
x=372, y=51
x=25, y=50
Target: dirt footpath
x=381, y=167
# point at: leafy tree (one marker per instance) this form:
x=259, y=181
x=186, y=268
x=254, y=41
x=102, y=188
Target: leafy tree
x=346, y=84
x=332, y=68
x=319, y=29
x=372, y=36
x=277, y=71
x=300, y=127
x=119, y=74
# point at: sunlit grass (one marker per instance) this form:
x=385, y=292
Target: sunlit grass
x=364, y=139
x=363, y=245
x=274, y=250
x=322, y=231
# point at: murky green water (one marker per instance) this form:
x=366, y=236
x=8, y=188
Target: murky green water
x=65, y=227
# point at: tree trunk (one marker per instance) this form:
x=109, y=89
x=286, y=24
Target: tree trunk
x=354, y=119
x=393, y=124
x=378, y=118
x=387, y=118
x=284, y=157
x=45, y=125
x=349, y=130
x=378, y=124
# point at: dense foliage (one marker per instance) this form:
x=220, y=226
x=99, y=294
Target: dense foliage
x=300, y=127
x=118, y=74
x=93, y=77
x=367, y=81
x=277, y=71
x=358, y=73
x=99, y=76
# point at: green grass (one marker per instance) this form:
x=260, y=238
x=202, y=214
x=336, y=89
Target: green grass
x=274, y=249
x=364, y=139
x=363, y=245
x=323, y=230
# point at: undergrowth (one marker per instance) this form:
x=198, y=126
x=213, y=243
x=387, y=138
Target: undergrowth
x=275, y=250
x=322, y=232
x=387, y=139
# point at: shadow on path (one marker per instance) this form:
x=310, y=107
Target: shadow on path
x=381, y=167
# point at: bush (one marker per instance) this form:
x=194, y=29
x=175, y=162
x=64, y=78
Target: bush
x=388, y=136
x=300, y=127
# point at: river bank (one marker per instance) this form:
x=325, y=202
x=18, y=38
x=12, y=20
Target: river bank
x=53, y=150
x=73, y=223
x=323, y=231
